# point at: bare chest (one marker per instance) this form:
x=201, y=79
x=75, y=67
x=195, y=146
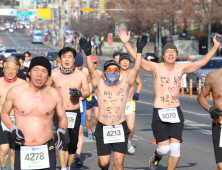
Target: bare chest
x=42, y=105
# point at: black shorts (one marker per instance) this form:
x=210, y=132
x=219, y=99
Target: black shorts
x=6, y=138
x=72, y=135
x=92, y=103
x=163, y=130
x=52, y=156
x=105, y=149
x=216, y=140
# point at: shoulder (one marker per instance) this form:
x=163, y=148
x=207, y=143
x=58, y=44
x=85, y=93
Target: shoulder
x=16, y=89
x=21, y=81
x=55, y=93
x=85, y=70
x=214, y=74
x=55, y=72
x=99, y=72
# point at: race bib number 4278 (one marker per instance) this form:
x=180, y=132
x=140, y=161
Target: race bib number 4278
x=36, y=157
x=169, y=115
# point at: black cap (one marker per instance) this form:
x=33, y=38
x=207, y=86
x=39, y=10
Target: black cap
x=109, y=63
x=124, y=56
x=40, y=61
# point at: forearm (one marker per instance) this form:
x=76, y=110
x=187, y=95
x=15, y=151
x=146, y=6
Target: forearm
x=209, y=55
x=85, y=93
x=63, y=122
x=130, y=49
x=7, y=120
x=139, y=88
x=203, y=102
x=138, y=60
x=90, y=64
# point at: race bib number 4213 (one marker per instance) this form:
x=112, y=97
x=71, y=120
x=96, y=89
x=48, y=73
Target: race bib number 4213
x=169, y=115
x=113, y=134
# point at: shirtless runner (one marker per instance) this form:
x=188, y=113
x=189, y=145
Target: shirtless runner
x=78, y=65
x=11, y=68
x=167, y=129
x=213, y=83
x=112, y=130
x=33, y=105
x=124, y=62
x=92, y=102
x=71, y=84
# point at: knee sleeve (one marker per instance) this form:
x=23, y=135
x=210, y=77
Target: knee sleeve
x=163, y=150
x=175, y=149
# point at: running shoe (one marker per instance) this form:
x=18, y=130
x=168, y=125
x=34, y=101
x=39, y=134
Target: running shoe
x=89, y=135
x=78, y=162
x=154, y=161
x=131, y=149
x=93, y=131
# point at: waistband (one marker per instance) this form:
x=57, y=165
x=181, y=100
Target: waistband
x=216, y=122
x=101, y=124
x=76, y=110
x=50, y=141
x=178, y=108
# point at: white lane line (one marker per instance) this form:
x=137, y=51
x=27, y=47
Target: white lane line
x=12, y=39
x=148, y=91
x=193, y=125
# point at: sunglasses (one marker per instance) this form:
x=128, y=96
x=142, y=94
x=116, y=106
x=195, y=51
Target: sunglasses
x=95, y=62
x=112, y=69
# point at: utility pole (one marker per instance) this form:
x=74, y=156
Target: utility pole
x=209, y=26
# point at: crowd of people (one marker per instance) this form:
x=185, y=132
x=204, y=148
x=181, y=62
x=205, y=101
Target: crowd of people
x=34, y=98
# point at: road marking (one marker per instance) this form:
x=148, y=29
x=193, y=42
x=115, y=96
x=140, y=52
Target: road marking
x=12, y=39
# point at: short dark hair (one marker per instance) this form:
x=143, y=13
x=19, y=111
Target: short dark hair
x=116, y=54
x=67, y=49
x=27, y=52
x=20, y=57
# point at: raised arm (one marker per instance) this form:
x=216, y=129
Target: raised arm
x=146, y=65
x=85, y=87
x=191, y=67
x=7, y=108
x=215, y=112
x=86, y=46
x=60, y=110
x=131, y=78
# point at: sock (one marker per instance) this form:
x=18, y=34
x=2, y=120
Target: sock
x=67, y=168
x=3, y=168
x=77, y=156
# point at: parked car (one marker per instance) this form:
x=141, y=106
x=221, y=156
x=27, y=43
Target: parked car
x=2, y=27
x=10, y=30
x=151, y=57
x=8, y=52
x=184, y=77
x=16, y=54
x=52, y=54
x=52, y=62
x=2, y=49
x=214, y=64
x=2, y=57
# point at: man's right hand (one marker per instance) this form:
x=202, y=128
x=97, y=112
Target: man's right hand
x=141, y=43
x=59, y=138
x=86, y=46
x=17, y=135
x=214, y=112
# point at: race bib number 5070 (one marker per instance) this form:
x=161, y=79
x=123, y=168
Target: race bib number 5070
x=169, y=115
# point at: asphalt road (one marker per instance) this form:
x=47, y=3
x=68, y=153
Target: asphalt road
x=196, y=149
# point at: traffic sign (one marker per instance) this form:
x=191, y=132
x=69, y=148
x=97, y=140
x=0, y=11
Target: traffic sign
x=87, y=9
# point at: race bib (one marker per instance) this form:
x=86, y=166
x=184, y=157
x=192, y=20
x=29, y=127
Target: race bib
x=169, y=115
x=4, y=128
x=220, y=144
x=35, y=157
x=113, y=134
x=129, y=108
x=81, y=106
x=71, y=119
